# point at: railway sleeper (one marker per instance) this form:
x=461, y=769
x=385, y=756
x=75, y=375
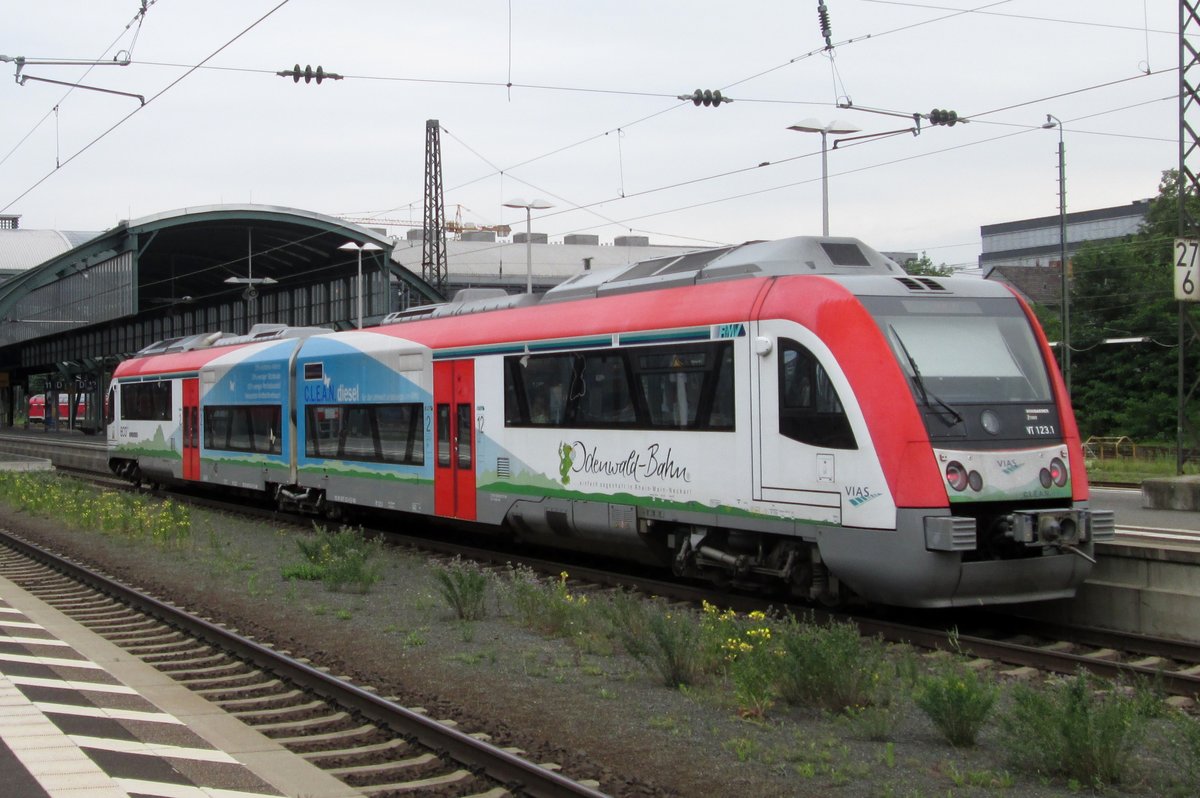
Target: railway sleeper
x=297, y=727
x=384, y=767
x=456, y=777
x=214, y=693
x=395, y=744
x=234, y=704
x=337, y=736
x=257, y=716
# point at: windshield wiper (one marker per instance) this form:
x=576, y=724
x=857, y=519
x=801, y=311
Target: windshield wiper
x=920, y=383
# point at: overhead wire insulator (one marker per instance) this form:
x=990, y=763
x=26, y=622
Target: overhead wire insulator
x=706, y=97
x=309, y=74
x=941, y=117
x=826, y=28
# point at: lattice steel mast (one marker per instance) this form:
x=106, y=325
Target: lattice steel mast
x=1189, y=226
x=433, y=251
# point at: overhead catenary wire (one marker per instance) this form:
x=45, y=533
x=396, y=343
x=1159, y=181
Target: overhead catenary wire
x=509, y=85
x=142, y=107
x=138, y=18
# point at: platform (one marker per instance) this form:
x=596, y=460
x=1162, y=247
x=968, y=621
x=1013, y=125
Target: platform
x=81, y=718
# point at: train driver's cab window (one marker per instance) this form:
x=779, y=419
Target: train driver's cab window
x=810, y=410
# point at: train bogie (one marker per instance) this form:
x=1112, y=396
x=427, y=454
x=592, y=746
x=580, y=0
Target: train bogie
x=780, y=415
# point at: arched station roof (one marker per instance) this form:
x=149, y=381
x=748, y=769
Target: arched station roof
x=193, y=267
x=191, y=252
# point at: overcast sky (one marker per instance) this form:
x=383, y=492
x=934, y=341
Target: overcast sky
x=590, y=122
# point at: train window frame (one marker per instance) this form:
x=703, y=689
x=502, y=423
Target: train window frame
x=314, y=371
x=335, y=431
x=257, y=427
x=149, y=400
x=810, y=412
x=566, y=384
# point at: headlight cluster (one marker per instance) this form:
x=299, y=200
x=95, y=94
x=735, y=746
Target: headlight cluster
x=960, y=479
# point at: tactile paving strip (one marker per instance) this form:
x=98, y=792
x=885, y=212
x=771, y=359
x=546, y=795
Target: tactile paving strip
x=72, y=729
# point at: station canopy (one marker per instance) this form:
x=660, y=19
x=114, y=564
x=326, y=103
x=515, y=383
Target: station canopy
x=182, y=265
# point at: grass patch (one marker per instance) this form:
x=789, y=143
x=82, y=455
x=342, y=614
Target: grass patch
x=957, y=700
x=343, y=560
x=1080, y=729
x=463, y=586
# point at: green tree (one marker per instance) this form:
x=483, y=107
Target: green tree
x=1123, y=289
x=923, y=265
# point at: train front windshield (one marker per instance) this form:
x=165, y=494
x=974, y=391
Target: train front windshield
x=964, y=351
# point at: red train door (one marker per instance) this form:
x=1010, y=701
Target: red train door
x=454, y=437
x=191, y=429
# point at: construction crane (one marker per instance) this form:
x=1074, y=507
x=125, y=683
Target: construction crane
x=457, y=226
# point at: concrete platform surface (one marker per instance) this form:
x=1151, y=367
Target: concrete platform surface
x=81, y=717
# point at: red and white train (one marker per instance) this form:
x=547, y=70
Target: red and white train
x=37, y=409
x=797, y=413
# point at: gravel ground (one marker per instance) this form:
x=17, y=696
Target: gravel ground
x=600, y=716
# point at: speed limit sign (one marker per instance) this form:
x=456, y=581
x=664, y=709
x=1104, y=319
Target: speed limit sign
x=1187, y=281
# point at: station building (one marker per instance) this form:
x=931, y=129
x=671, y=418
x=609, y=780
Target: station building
x=74, y=304
x=1027, y=253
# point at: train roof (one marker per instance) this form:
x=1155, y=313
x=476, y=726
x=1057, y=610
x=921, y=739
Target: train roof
x=830, y=256
x=786, y=256
x=189, y=353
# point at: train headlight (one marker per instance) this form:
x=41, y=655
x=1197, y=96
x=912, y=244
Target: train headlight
x=1058, y=472
x=990, y=422
x=975, y=480
x=957, y=476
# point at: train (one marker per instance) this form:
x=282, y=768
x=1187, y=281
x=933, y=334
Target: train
x=37, y=410
x=800, y=417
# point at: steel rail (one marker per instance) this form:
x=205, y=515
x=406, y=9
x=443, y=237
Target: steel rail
x=517, y=774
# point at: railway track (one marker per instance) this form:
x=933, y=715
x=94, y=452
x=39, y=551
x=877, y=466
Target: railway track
x=1012, y=643
x=368, y=741
x=1027, y=647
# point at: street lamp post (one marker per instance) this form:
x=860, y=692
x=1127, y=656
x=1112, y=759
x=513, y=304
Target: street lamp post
x=836, y=127
x=350, y=245
x=1052, y=122
x=532, y=205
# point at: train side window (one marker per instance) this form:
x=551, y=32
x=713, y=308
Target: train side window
x=688, y=387
x=264, y=428
x=443, y=436
x=463, y=433
x=401, y=433
x=323, y=428
x=216, y=427
x=516, y=409
x=603, y=394
x=358, y=434
x=810, y=410
x=242, y=428
x=544, y=384
x=146, y=401
x=391, y=433
x=239, y=432
x=723, y=415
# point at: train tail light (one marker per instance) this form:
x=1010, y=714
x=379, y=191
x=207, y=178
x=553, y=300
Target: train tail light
x=960, y=479
x=957, y=476
x=1058, y=472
